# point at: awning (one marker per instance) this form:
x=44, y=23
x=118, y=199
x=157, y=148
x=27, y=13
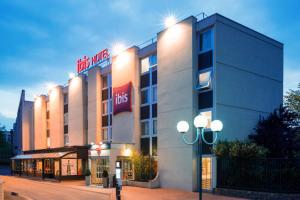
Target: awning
x=40, y=155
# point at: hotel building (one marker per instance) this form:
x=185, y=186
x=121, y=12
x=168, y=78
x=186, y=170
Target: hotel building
x=133, y=100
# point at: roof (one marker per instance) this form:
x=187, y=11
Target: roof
x=41, y=155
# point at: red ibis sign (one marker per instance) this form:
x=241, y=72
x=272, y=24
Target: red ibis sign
x=122, y=98
x=86, y=63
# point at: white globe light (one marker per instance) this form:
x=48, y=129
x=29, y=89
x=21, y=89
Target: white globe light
x=182, y=127
x=216, y=125
x=200, y=121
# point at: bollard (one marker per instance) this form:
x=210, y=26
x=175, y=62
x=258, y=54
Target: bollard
x=118, y=192
x=1, y=190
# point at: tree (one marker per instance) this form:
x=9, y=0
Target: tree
x=292, y=100
x=279, y=133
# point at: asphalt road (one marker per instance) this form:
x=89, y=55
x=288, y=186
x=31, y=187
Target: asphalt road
x=48, y=191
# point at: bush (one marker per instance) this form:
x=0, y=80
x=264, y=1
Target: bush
x=145, y=167
x=237, y=149
x=87, y=172
x=105, y=174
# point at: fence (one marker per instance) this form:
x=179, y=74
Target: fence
x=266, y=175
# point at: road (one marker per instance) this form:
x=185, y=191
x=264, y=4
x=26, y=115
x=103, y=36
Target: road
x=48, y=191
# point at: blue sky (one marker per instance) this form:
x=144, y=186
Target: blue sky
x=40, y=41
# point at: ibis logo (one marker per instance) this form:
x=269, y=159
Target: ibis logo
x=122, y=98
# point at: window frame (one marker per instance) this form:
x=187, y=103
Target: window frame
x=210, y=29
x=148, y=96
x=149, y=128
x=210, y=69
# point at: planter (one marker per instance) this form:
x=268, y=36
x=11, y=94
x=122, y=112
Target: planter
x=105, y=182
x=87, y=180
x=150, y=184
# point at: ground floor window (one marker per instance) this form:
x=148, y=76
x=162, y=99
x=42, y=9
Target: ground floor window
x=127, y=168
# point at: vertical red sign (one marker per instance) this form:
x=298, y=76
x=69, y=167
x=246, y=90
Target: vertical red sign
x=122, y=98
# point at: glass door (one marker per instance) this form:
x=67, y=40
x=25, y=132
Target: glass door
x=207, y=173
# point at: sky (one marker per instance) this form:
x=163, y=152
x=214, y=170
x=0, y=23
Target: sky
x=40, y=41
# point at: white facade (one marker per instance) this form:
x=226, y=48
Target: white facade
x=214, y=66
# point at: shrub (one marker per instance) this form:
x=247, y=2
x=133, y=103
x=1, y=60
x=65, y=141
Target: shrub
x=87, y=172
x=144, y=167
x=105, y=174
x=239, y=150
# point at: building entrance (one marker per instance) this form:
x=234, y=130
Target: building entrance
x=98, y=165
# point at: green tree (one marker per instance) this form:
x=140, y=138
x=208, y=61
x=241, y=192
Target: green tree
x=279, y=133
x=5, y=147
x=292, y=100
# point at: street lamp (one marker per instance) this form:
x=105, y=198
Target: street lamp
x=200, y=122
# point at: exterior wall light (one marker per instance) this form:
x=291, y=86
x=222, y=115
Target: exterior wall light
x=170, y=21
x=200, y=122
x=71, y=75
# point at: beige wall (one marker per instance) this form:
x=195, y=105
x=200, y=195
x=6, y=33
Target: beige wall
x=40, y=134
x=94, y=106
x=125, y=68
x=77, y=111
x=176, y=101
x=27, y=126
x=56, y=109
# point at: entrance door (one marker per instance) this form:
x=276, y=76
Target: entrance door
x=98, y=165
x=49, y=168
x=207, y=173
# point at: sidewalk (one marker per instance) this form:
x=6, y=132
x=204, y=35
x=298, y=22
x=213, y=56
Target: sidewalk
x=136, y=193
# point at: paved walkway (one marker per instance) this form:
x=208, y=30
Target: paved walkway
x=44, y=190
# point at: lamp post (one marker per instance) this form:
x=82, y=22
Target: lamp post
x=200, y=122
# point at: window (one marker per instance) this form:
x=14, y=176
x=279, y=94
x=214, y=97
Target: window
x=154, y=126
x=205, y=99
x=104, y=82
x=208, y=115
x=145, y=146
x=154, y=94
x=66, y=139
x=105, y=133
x=65, y=98
x=205, y=41
x=105, y=120
x=65, y=108
x=153, y=60
x=66, y=129
x=104, y=94
x=145, y=65
x=145, y=96
x=110, y=106
x=204, y=80
x=154, y=146
x=205, y=60
x=66, y=118
x=47, y=114
x=145, y=80
x=145, y=128
x=48, y=133
x=104, y=107
x=145, y=112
